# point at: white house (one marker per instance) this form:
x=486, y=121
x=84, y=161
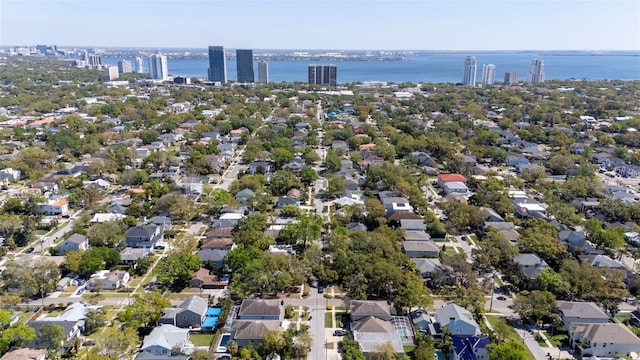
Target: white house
x=604, y=340
x=53, y=207
x=109, y=280
x=164, y=339
x=9, y=174
x=458, y=319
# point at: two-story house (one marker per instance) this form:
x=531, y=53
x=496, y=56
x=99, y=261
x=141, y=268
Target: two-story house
x=144, y=236
x=75, y=242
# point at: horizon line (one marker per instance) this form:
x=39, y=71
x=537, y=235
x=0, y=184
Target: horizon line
x=316, y=49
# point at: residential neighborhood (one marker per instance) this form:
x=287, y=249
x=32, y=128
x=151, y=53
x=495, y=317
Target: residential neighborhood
x=165, y=221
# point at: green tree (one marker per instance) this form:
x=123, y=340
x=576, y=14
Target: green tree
x=201, y=355
x=50, y=336
x=19, y=335
x=384, y=352
x=535, y=305
x=282, y=181
x=510, y=350
x=108, y=234
x=335, y=187
x=351, y=350
x=145, y=310
x=332, y=161
x=114, y=342
x=175, y=270
x=95, y=319
x=308, y=175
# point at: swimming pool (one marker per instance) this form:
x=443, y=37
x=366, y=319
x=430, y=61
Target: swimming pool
x=211, y=318
x=222, y=345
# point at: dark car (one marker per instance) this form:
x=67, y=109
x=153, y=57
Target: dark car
x=81, y=291
x=503, y=298
x=30, y=250
x=340, y=332
x=320, y=289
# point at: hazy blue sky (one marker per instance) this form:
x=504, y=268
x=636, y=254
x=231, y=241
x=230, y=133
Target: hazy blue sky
x=326, y=24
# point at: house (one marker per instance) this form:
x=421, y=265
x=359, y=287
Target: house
x=106, y=217
x=287, y=201
x=445, y=178
x=602, y=261
x=396, y=204
x=189, y=314
x=144, y=236
x=433, y=272
x=603, y=339
x=245, y=332
x=256, y=309
x=530, y=168
x=260, y=167
x=413, y=225
x=416, y=236
x=580, y=312
x=455, y=187
x=470, y=347
x=71, y=320
x=613, y=162
x=244, y=196
x=165, y=340
x=420, y=248
x=423, y=159
x=9, y=174
x=130, y=256
x=56, y=207
x=529, y=208
x=372, y=325
x=629, y=171
x=25, y=354
x=490, y=215
x=74, y=242
x=458, y=320
x=531, y=264
x=515, y=159
x=63, y=283
x=202, y=279
x=108, y=280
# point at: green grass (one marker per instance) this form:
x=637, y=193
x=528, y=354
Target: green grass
x=499, y=281
x=201, y=339
x=557, y=339
x=328, y=320
x=512, y=334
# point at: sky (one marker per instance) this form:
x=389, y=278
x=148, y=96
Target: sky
x=326, y=24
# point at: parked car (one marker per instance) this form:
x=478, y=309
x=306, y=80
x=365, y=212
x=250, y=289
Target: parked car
x=501, y=297
x=320, y=289
x=81, y=291
x=30, y=250
x=340, y=332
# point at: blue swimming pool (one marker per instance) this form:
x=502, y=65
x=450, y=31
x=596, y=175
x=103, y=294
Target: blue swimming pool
x=211, y=318
x=222, y=345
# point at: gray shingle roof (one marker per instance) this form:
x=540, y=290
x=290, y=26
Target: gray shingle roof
x=251, y=307
x=581, y=310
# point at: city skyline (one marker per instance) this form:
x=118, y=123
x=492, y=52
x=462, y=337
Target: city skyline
x=562, y=26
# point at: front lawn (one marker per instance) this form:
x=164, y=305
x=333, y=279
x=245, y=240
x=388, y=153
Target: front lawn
x=328, y=319
x=511, y=334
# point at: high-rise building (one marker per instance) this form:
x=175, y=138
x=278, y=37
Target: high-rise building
x=536, y=72
x=158, y=68
x=111, y=73
x=124, y=66
x=263, y=71
x=511, y=78
x=139, y=65
x=94, y=60
x=323, y=74
x=470, y=69
x=488, y=74
x=244, y=61
x=217, y=64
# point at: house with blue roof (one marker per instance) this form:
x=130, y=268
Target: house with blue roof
x=470, y=347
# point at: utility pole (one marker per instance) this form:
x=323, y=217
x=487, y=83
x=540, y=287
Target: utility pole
x=493, y=281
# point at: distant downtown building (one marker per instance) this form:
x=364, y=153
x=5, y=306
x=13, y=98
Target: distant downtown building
x=93, y=60
x=158, y=68
x=511, y=78
x=323, y=74
x=111, y=73
x=263, y=71
x=470, y=69
x=217, y=64
x=139, y=65
x=244, y=63
x=536, y=72
x=488, y=74
x=124, y=66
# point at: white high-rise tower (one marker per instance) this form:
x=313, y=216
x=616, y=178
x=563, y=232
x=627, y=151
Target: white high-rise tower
x=158, y=68
x=536, y=72
x=470, y=69
x=488, y=74
x=139, y=65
